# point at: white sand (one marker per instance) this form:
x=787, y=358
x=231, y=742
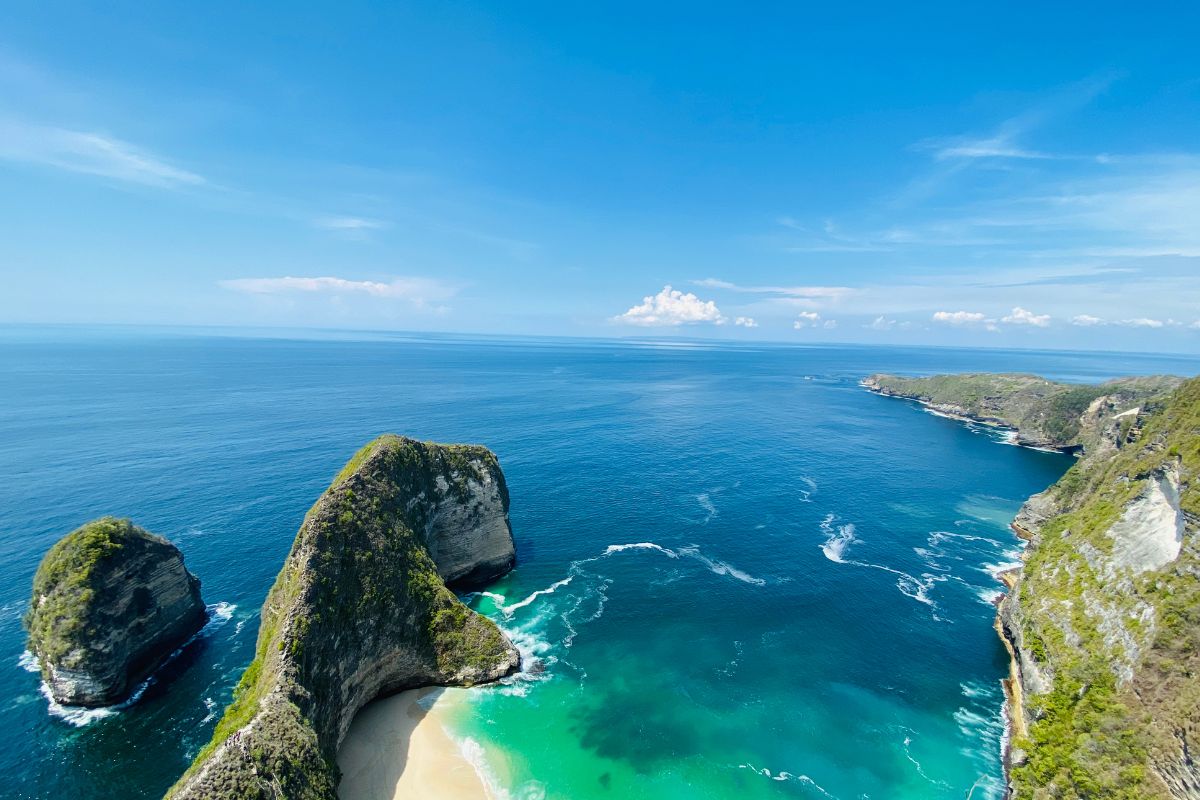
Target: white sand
x=397, y=749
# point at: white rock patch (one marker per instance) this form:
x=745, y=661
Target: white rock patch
x=1149, y=534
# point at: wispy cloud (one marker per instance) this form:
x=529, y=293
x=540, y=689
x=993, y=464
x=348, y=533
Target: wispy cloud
x=420, y=292
x=881, y=323
x=671, y=308
x=805, y=293
x=746, y=322
x=90, y=153
x=995, y=146
x=349, y=224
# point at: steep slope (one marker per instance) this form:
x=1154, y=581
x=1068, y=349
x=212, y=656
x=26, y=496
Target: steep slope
x=359, y=610
x=1103, y=618
x=1042, y=413
x=110, y=602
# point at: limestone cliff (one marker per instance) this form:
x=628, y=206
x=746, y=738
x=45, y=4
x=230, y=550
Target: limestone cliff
x=1103, y=618
x=361, y=609
x=110, y=602
x=1041, y=413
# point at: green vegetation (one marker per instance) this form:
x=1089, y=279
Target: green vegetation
x=359, y=587
x=1043, y=412
x=65, y=584
x=1099, y=732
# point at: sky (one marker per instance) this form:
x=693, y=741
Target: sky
x=1005, y=175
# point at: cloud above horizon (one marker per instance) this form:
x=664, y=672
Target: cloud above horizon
x=671, y=308
x=811, y=319
x=1020, y=316
x=418, y=291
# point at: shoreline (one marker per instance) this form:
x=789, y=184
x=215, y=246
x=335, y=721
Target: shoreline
x=958, y=414
x=397, y=748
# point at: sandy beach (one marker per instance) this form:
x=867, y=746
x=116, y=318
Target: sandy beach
x=397, y=749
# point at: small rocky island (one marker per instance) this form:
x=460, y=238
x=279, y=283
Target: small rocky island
x=360, y=610
x=1102, y=621
x=110, y=603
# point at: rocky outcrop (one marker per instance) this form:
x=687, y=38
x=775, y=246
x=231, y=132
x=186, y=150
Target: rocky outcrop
x=110, y=603
x=1102, y=620
x=1040, y=413
x=360, y=610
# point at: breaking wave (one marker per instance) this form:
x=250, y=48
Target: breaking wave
x=839, y=537
x=784, y=775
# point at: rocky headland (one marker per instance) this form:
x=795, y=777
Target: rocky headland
x=1041, y=413
x=110, y=603
x=360, y=610
x=1102, y=620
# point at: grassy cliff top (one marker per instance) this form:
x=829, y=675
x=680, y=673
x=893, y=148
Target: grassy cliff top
x=66, y=581
x=1100, y=732
x=1045, y=411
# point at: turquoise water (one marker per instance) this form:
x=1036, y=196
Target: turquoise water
x=744, y=575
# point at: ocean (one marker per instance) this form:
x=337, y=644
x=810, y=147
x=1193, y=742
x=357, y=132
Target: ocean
x=744, y=575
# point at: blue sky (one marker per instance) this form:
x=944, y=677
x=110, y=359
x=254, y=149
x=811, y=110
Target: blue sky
x=1018, y=175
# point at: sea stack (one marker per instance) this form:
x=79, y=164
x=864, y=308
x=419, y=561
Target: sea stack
x=110, y=603
x=361, y=610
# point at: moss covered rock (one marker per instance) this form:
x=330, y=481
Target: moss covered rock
x=110, y=603
x=360, y=610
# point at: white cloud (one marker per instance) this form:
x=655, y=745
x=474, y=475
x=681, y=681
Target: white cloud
x=746, y=322
x=350, y=224
x=1020, y=316
x=960, y=317
x=671, y=307
x=807, y=319
x=416, y=290
x=89, y=153
x=811, y=319
x=882, y=324
x=1086, y=321
x=1195, y=324
x=1141, y=322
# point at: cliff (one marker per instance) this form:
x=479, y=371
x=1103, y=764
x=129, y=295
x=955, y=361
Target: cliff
x=1042, y=413
x=1103, y=618
x=361, y=609
x=110, y=602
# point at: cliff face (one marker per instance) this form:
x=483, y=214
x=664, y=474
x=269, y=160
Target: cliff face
x=361, y=609
x=1042, y=413
x=1103, y=618
x=110, y=602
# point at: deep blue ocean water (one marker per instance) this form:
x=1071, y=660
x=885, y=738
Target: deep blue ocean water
x=805, y=611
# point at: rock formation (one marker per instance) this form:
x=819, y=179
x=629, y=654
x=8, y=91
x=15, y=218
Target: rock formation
x=1103, y=618
x=360, y=610
x=110, y=603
